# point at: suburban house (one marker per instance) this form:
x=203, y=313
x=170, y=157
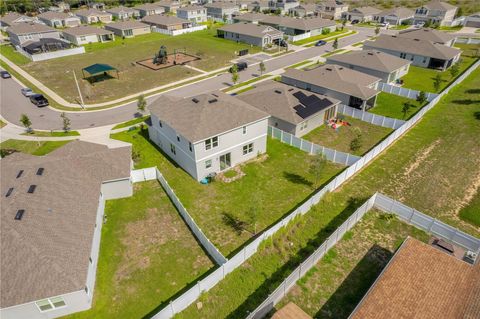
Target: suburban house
x=292, y=110
x=96, y=5
x=123, y=13
x=60, y=7
x=148, y=9
x=87, y=34
x=221, y=11
x=254, y=34
x=304, y=10
x=432, y=35
x=331, y=9
x=93, y=16
x=259, y=6
x=208, y=133
x=195, y=14
x=423, y=281
x=169, y=6
x=59, y=19
x=353, y=88
x=385, y=66
x=421, y=53
x=361, y=14
x=396, y=16
x=164, y=22
x=435, y=12
x=283, y=6
x=21, y=33
x=472, y=21
x=12, y=18
x=50, y=235
x=128, y=29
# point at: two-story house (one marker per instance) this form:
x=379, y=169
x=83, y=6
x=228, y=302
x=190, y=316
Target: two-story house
x=284, y=6
x=331, y=9
x=196, y=14
x=222, y=11
x=59, y=19
x=149, y=9
x=435, y=12
x=123, y=13
x=93, y=16
x=208, y=133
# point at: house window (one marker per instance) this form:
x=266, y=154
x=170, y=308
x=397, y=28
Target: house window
x=172, y=149
x=82, y=38
x=50, y=304
x=247, y=149
x=403, y=55
x=244, y=130
x=208, y=163
x=160, y=123
x=303, y=125
x=178, y=138
x=190, y=146
x=211, y=143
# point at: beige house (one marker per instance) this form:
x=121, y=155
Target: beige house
x=148, y=9
x=128, y=29
x=361, y=14
x=436, y=12
x=255, y=34
x=169, y=23
x=93, y=16
x=87, y=34
x=331, y=9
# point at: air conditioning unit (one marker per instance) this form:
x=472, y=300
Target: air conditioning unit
x=471, y=256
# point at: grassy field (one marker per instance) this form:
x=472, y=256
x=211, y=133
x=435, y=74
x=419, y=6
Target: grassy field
x=51, y=134
x=32, y=147
x=321, y=37
x=340, y=140
x=272, y=187
x=131, y=122
x=239, y=85
x=399, y=27
x=391, y=105
x=338, y=282
x=428, y=168
x=9, y=52
x=2, y=124
x=471, y=212
x=296, y=65
x=147, y=255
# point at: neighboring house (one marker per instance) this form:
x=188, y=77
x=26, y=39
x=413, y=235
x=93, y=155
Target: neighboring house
x=353, y=88
x=128, y=29
x=472, y=21
x=420, y=52
x=254, y=34
x=169, y=6
x=332, y=9
x=396, y=16
x=21, y=33
x=195, y=14
x=259, y=6
x=208, y=133
x=304, y=10
x=165, y=22
x=435, y=12
x=87, y=34
x=295, y=27
x=59, y=19
x=12, y=18
x=379, y=64
x=432, y=35
x=222, y=11
x=361, y=14
x=123, y=13
x=96, y=5
x=51, y=221
x=60, y=7
x=93, y=16
x=423, y=281
x=292, y=110
x=148, y=9
x=283, y=6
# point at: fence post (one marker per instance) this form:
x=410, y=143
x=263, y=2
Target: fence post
x=334, y=155
x=347, y=159
x=311, y=148
x=383, y=121
x=172, y=309
x=373, y=119
x=301, y=143
x=291, y=139
x=281, y=136
x=363, y=114
x=431, y=225
x=394, y=124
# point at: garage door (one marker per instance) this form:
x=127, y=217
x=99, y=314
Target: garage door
x=473, y=24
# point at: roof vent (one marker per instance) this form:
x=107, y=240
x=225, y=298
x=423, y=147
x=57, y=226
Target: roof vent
x=214, y=95
x=416, y=39
x=9, y=192
x=20, y=173
x=195, y=100
x=278, y=91
x=40, y=171
x=212, y=101
x=290, y=90
x=31, y=189
x=329, y=69
x=370, y=53
x=19, y=214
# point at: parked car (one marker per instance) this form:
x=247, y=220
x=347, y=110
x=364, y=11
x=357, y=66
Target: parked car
x=240, y=66
x=5, y=75
x=419, y=25
x=283, y=43
x=27, y=92
x=355, y=21
x=384, y=24
x=320, y=43
x=39, y=100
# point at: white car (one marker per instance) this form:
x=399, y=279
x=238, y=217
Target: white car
x=384, y=24
x=419, y=25
x=27, y=92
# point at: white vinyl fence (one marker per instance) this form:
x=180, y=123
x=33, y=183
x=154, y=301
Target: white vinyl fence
x=312, y=148
x=191, y=295
x=409, y=93
x=385, y=204
x=181, y=31
x=52, y=54
x=371, y=118
x=468, y=40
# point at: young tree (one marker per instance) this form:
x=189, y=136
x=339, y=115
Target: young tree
x=335, y=44
x=455, y=69
x=26, y=122
x=357, y=141
x=65, y=122
x=252, y=215
x=437, y=81
x=405, y=109
x=377, y=30
x=317, y=163
x=344, y=22
x=421, y=98
x=141, y=103
x=261, y=67
x=235, y=74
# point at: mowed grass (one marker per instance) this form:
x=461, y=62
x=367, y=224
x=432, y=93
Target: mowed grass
x=57, y=74
x=9, y=52
x=471, y=212
x=271, y=187
x=51, y=134
x=147, y=255
x=321, y=36
x=391, y=105
x=341, y=138
x=333, y=287
x=32, y=147
x=428, y=169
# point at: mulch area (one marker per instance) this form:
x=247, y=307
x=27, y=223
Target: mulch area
x=172, y=59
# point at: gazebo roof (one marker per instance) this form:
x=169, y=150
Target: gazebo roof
x=98, y=68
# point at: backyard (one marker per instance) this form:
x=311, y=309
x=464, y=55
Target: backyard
x=322, y=36
x=341, y=138
x=147, y=255
x=31, y=147
x=231, y=213
x=391, y=105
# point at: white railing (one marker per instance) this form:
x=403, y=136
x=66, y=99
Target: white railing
x=181, y=31
x=371, y=118
x=408, y=93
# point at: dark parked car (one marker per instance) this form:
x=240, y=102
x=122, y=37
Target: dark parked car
x=39, y=100
x=5, y=75
x=240, y=66
x=355, y=21
x=283, y=43
x=320, y=43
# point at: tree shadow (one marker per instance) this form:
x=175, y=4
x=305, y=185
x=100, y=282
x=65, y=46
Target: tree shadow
x=234, y=222
x=473, y=91
x=466, y=101
x=297, y=179
x=477, y=115
x=355, y=286
x=144, y=133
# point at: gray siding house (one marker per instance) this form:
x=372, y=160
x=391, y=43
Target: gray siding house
x=259, y=35
x=12, y=18
x=362, y=14
x=149, y=9
x=304, y=10
x=21, y=33
x=208, y=133
x=436, y=12
x=332, y=9
x=432, y=35
x=284, y=6
x=59, y=19
x=195, y=14
x=123, y=13
x=396, y=16
x=220, y=11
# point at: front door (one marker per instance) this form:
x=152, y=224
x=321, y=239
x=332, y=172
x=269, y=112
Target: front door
x=225, y=161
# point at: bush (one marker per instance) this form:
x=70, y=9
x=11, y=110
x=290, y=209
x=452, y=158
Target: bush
x=325, y=31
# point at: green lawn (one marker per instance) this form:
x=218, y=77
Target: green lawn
x=391, y=105
x=296, y=65
x=428, y=169
x=471, y=212
x=321, y=37
x=335, y=52
x=131, y=122
x=147, y=255
x=333, y=287
x=273, y=187
x=340, y=140
x=239, y=85
x=450, y=29
x=399, y=27
x=32, y=147
x=2, y=124
x=52, y=134
x=366, y=24
x=9, y=52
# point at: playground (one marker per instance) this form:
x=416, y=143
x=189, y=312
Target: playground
x=179, y=57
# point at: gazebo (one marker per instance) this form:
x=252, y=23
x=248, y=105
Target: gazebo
x=97, y=69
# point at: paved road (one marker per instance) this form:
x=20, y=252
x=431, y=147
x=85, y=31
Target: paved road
x=13, y=103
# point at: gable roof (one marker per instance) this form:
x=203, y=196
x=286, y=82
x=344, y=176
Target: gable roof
x=221, y=5
x=438, y=5
x=13, y=17
x=286, y=102
x=370, y=59
x=91, y=12
x=366, y=10
x=51, y=15
x=427, y=34
x=121, y=9
x=401, y=13
x=46, y=253
x=337, y=78
x=149, y=6
x=251, y=29
x=160, y=19
x=200, y=117
x=191, y=8
x=423, y=282
x=306, y=24
x=29, y=27
x=86, y=30
x=127, y=25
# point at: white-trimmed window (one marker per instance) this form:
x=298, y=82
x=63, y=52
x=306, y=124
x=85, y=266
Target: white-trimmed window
x=303, y=125
x=208, y=163
x=172, y=149
x=244, y=129
x=211, y=143
x=190, y=147
x=247, y=149
x=83, y=38
x=403, y=55
x=50, y=304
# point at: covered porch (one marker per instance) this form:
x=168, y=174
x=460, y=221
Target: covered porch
x=362, y=103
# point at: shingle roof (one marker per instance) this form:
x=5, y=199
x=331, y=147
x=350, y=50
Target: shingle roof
x=191, y=8
x=286, y=102
x=251, y=29
x=149, y=6
x=11, y=17
x=86, y=30
x=412, y=46
x=309, y=23
x=29, y=27
x=213, y=113
x=438, y=5
x=337, y=78
x=423, y=282
x=126, y=25
x=427, y=34
x=49, y=15
x=221, y=5
x=401, y=13
x=367, y=10
x=46, y=253
x=90, y=12
x=121, y=9
x=370, y=59
x=159, y=19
